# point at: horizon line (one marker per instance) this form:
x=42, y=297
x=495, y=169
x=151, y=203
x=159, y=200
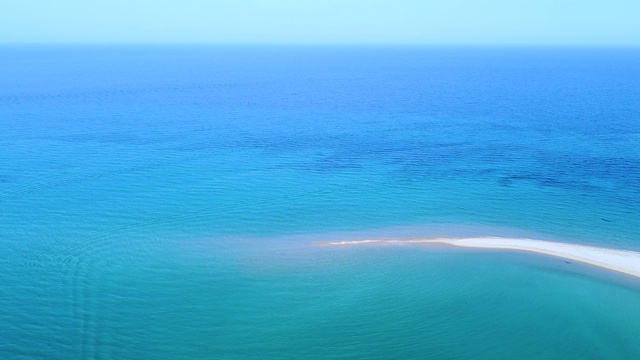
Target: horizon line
x=321, y=44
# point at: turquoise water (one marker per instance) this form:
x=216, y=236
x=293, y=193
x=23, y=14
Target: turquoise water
x=162, y=202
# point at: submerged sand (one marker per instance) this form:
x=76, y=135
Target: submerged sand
x=622, y=261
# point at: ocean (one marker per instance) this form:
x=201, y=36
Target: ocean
x=164, y=202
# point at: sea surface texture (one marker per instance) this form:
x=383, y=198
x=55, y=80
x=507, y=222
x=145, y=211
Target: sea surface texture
x=163, y=202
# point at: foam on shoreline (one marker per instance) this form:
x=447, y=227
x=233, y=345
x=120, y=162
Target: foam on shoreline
x=621, y=261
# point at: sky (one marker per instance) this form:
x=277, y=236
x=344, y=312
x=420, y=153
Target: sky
x=474, y=22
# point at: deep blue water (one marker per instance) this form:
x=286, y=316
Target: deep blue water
x=160, y=202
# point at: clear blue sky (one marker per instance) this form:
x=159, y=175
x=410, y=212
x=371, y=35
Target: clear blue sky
x=551, y=22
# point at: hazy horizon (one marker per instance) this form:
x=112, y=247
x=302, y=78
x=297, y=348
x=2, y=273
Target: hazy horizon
x=332, y=22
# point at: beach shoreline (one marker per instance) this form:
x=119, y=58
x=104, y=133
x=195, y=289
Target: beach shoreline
x=615, y=260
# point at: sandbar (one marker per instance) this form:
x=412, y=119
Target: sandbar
x=621, y=261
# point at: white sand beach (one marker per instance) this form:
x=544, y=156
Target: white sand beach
x=622, y=261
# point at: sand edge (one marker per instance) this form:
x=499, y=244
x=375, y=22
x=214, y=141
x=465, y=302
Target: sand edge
x=621, y=261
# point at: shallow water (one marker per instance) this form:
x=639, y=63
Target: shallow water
x=159, y=202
